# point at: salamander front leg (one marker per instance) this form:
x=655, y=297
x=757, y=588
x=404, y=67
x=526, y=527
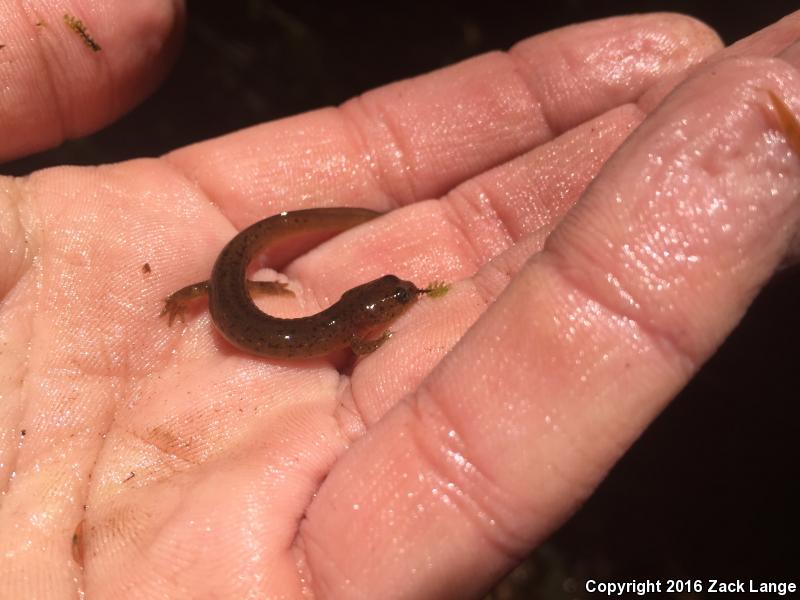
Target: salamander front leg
x=363, y=346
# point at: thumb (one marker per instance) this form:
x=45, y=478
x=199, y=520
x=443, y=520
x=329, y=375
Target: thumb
x=67, y=69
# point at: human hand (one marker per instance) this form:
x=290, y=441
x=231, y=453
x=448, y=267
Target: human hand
x=496, y=441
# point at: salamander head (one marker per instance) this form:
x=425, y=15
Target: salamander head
x=381, y=300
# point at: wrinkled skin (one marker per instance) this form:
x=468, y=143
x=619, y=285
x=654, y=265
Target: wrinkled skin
x=195, y=470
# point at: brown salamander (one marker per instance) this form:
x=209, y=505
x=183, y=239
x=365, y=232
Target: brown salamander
x=359, y=312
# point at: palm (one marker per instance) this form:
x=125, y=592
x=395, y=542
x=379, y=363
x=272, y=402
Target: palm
x=181, y=433
x=194, y=469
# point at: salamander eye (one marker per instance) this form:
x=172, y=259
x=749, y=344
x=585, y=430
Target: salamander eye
x=401, y=295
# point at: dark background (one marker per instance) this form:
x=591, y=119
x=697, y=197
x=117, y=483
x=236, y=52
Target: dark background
x=709, y=491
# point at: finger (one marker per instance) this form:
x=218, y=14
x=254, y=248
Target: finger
x=418, y=138
x=632, y=292
x=502, y=216
x=792, y=53
x=767, y=42
x=770, y=41
x=452, y=238
x=792, y=56
x=63, y=80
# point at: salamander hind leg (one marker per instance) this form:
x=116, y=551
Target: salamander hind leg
x=363, y=346
x=176, y=303
x=273, y=288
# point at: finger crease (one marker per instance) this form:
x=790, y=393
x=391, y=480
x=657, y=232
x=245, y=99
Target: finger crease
x=400, y=187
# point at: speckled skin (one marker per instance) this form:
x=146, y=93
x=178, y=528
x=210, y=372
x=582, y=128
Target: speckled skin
x=360, y=311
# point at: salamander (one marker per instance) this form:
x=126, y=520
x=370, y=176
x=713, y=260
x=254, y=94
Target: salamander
x=347, y=323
